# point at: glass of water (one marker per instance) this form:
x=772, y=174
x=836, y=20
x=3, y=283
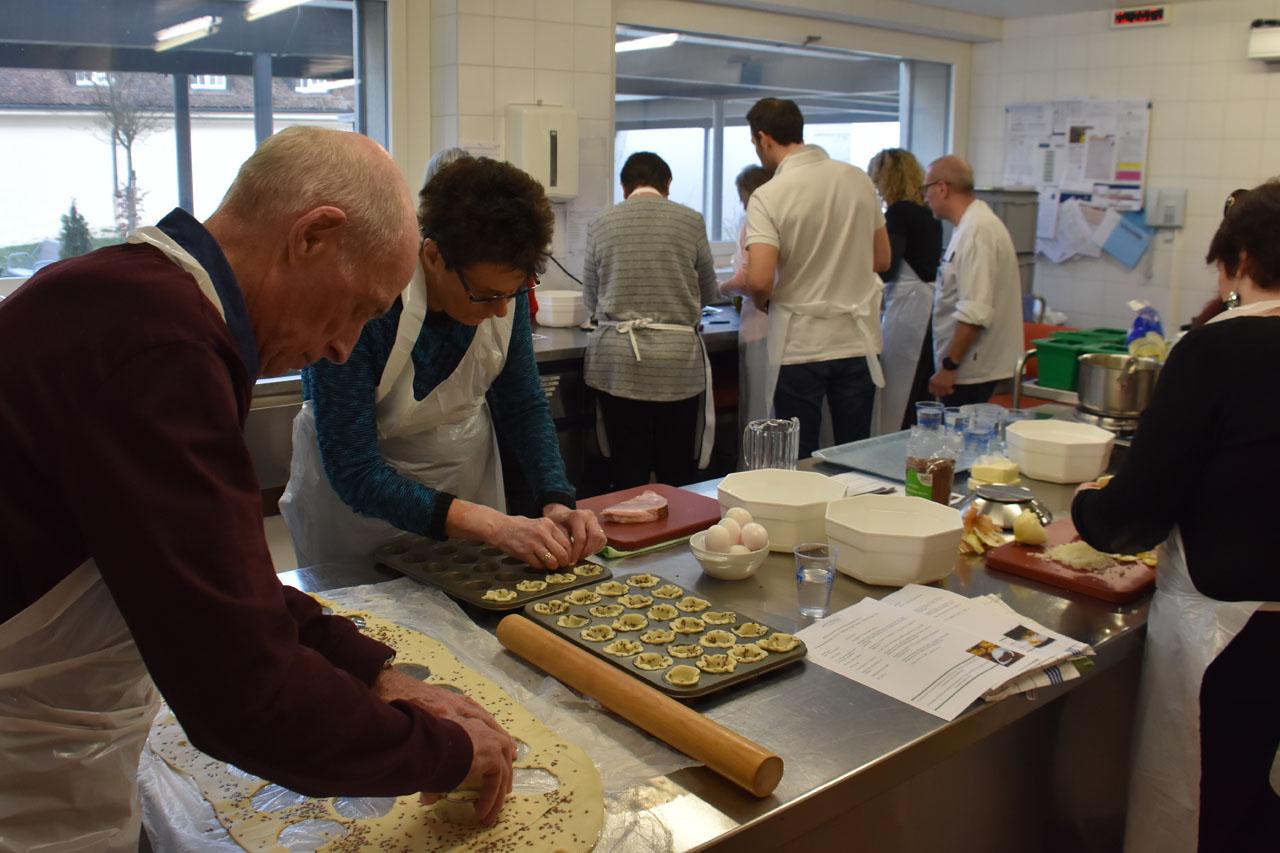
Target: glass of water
x=815, y=572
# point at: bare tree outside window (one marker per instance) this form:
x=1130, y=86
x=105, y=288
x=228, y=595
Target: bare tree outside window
x=126, y=119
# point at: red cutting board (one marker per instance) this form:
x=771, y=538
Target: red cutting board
x=1120, y=584
x=686, y=513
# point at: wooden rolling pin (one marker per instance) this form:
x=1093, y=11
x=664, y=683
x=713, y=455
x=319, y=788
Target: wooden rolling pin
x=743, y=762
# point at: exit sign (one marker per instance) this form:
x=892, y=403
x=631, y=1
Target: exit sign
x=1140, y=16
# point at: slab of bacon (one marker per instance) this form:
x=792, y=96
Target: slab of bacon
x=644, y=507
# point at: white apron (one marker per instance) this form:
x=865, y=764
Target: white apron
x=445, y=441
x=1186, y=631
x=76, y=701
x=780, y=314
x=706, y=418
x=753, y=363
x=76, y=704
x=908, y=301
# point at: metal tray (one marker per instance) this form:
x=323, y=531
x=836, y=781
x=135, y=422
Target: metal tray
x=884, y=456
x=707, y=682
x=467, y=570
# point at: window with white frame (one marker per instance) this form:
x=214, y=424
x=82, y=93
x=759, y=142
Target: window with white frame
x=86, y=79
x=208, y=82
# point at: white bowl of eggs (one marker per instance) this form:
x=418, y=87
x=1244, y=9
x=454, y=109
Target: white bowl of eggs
x=732, y=549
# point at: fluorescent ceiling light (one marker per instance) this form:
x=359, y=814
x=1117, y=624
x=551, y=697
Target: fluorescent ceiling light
x=261, y=8
x=647, y=43
x=320, y=87
x=186, y=32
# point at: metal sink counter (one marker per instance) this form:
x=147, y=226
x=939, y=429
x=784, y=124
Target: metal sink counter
x=863, y=769
x=719, y=330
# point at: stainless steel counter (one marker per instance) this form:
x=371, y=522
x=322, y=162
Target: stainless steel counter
x=1046, y=772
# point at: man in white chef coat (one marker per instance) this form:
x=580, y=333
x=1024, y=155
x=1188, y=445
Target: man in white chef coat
x=977, y=312
x=818, y=226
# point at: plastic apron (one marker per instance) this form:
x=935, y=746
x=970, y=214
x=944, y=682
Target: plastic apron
x=1186, y=631
x=780, y=314
x=908, y=302
x=76, y=702
x=707, y=417
x=445, y=441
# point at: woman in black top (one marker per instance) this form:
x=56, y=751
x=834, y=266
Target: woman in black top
x=1203, y=471
x=916, y=239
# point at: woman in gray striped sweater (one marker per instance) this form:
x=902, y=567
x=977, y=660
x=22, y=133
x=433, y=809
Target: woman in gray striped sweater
x=647, y=274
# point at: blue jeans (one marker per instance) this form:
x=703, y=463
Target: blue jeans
x=844, y=382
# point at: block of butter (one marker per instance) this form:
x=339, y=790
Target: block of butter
x=997, y=470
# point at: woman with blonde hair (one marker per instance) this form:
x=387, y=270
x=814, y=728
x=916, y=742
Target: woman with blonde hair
x=916, y=239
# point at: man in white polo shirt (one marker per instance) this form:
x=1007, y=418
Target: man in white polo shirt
x=817, y=226
x=977, y=309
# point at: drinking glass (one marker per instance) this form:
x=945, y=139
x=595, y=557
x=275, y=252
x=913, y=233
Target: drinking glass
x=929, y=414
x=771, y=443
x=815, y=573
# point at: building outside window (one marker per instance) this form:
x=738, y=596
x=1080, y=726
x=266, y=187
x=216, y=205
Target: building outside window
x=209, y=83
x=150, y=130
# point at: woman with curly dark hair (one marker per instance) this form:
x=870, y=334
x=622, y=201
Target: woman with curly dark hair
x=1198, y=477
x=403, y=435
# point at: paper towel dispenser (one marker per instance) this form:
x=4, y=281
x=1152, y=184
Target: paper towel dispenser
x=1264, y=39
x=543, y=141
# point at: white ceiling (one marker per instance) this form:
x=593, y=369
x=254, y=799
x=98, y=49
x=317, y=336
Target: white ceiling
x=1026, y=8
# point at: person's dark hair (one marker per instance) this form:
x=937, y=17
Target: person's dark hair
x=1249, y=227
x=779, y=118
x=645, y=169
x=479, y=210
x=751, y=179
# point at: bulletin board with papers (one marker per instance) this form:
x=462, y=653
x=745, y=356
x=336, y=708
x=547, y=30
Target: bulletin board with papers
x=1088, y=160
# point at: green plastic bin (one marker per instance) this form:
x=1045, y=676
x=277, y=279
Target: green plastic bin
x=1056, y=361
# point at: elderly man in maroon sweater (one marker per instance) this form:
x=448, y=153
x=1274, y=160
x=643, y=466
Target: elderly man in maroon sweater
x=133, y=556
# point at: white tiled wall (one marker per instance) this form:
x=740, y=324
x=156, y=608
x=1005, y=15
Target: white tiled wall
x=1215, y=126
x=486, y=54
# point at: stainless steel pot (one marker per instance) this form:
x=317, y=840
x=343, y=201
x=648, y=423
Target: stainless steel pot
x=1116, y=386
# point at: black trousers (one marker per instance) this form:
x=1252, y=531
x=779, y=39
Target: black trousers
x=1239, y=733
x=963, y=395
x=844, y=382
x=647, y=436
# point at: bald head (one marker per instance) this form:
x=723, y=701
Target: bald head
x=320, y=230
x=303, y=168
x=948, y=187
x=953, y=171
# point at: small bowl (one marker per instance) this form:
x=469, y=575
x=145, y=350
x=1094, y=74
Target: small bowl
x=726, y=567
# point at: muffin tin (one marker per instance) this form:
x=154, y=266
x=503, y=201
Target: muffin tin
x=708, y=682
x=467, y=570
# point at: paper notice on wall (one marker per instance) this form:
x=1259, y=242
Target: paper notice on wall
x=1085, y=146
x=1099, y=158
x=1047, y=214
x=1128, y=240
x=933, y=649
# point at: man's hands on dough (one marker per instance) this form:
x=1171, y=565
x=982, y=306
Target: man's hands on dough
x=493, y=750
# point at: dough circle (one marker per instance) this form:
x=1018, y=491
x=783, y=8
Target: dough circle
x=683, y=675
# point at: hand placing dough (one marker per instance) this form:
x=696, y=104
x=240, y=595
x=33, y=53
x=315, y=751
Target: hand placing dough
x=540, y=542
x=582, y=528
x=438, y=702
x=490, y=774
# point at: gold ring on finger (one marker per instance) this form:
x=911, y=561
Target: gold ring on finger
x=547, y=558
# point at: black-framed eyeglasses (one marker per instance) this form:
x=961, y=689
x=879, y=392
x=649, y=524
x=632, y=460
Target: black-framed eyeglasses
x=530, y=283
x=924, y=188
